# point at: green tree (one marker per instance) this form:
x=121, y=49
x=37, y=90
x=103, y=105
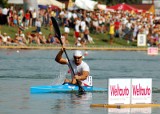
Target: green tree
x=112, y=2
x=3, y=3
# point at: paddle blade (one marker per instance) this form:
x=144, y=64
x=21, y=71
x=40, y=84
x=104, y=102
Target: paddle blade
x=56, y=29
x=81, y=89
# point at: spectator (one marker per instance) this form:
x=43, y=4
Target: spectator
x=19, y=39
x=27, y=18
x=5, y=38
x=117, y=26
x=34, y=16
x=46, y=19
x=111, y=32
x=38, y=25
x=83, y=25
x=63, y=39
x=41, y=37
x=33, y=39
x=20, y=17
x=1, y=42
x=4, y=16
x=31, y=17
x=23, y=37
x=87, y=37
x=66, y=28
x=51, y=39
x=1, y=17
x=77, y=30
x=15, y=19
x=10, y=16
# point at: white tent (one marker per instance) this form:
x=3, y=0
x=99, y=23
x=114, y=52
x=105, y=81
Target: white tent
x=41, y=2
x=86, y=4
x=101, y=6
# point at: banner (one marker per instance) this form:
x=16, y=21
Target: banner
x=152, y=51
x=141, y=40
x=119, y=91
x=129, y=91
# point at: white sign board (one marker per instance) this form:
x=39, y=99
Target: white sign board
x=141, y=90
x=152, y=50
x=119, y=91
x=141, y=40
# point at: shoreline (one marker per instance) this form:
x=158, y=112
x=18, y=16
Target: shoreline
x=111, y=48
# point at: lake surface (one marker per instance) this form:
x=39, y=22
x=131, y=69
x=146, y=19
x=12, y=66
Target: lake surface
x=21, y=69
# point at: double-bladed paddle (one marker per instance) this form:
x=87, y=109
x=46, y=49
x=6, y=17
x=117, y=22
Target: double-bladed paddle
x=58, y=35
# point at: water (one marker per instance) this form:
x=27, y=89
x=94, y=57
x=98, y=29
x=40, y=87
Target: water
x=19, y=70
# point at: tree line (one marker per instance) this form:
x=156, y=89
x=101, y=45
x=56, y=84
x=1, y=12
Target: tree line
x=113, y=2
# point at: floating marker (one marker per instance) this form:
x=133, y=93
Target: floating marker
x=17, y=51
x=86, y=53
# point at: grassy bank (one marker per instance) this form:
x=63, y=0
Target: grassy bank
x=100, y=39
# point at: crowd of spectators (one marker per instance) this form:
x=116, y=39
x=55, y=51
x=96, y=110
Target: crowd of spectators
x=118, y=24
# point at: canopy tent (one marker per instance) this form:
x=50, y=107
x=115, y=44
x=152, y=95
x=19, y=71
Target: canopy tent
x=86, y=4
x=41, y=2
x=124, y=7
x=109, y=10
x=101, y=6
x=152, y=9
x=145, y=7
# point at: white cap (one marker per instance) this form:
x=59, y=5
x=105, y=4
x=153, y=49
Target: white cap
x=77, y=53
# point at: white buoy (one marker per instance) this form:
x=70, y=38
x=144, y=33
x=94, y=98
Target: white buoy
x=17, y=51
x=86, y=53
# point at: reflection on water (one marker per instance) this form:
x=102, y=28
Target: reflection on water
x=130, y=111
x=79, y=102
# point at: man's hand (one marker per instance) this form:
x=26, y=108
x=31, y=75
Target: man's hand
x=77, y=77
x=63, y=48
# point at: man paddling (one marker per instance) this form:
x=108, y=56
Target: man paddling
x=80, y=68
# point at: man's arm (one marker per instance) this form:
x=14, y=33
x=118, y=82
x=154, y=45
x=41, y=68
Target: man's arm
x=82, y=77
x=59, y=58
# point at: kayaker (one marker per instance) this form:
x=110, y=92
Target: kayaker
x=81, y=68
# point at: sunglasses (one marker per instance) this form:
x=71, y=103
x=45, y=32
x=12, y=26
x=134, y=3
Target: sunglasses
x=77, y=58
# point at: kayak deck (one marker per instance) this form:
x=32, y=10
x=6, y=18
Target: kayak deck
x=63, y=88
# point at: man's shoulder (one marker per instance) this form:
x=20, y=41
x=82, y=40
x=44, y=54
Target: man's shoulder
x=84, y=63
